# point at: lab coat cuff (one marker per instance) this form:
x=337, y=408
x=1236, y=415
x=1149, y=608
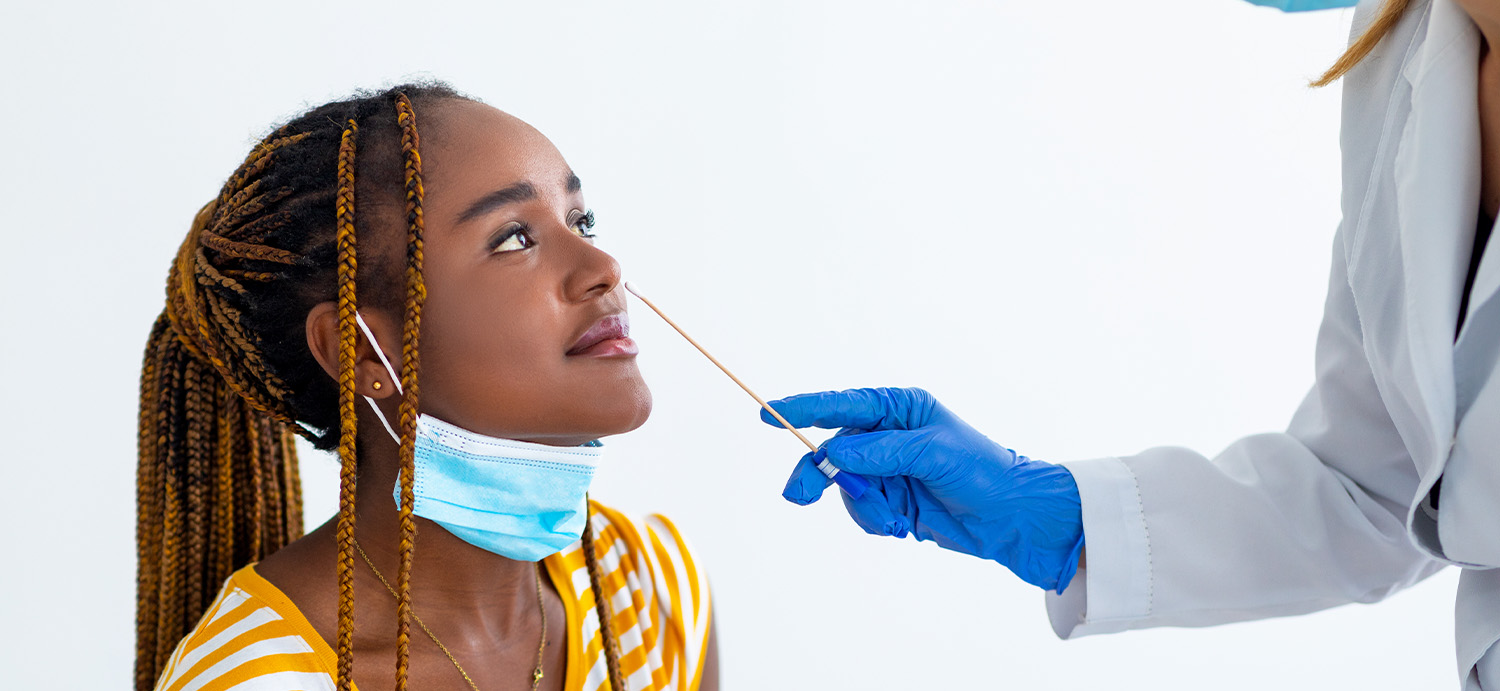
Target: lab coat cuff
x=1113, y=592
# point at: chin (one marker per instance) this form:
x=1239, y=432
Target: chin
x=627, y=414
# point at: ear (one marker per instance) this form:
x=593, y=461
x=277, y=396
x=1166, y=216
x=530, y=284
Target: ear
x=323, y=341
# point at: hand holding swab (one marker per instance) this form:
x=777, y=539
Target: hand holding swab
x=853, y=484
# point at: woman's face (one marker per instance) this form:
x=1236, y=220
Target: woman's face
x=523, y=330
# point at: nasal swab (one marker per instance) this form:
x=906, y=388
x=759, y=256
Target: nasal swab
x=851, y=483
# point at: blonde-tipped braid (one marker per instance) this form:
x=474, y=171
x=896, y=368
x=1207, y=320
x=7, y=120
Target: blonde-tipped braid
x=416, y=295
x=348, y=422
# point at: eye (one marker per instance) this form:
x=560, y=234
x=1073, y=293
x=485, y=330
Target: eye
x=514, y=237
x=584, y=224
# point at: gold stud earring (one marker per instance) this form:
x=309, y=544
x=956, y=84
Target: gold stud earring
x=375, y=386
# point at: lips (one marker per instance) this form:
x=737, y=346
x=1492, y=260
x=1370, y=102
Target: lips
x=605, y=332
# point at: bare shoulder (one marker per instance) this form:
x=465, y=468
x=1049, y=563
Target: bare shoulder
x=305, y=571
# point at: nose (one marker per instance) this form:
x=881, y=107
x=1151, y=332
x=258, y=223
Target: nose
x=593, y=272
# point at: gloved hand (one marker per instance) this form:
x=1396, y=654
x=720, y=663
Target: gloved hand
x=1304, y=5
x=935, y=476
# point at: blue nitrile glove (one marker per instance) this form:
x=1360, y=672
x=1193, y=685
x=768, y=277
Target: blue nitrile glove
x=939, y=478
x=1304, y=5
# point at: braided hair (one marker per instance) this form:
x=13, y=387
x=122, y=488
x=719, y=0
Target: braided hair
x=227, y=378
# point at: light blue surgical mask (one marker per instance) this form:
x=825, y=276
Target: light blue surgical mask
x=517, y=499
x=1304, y=5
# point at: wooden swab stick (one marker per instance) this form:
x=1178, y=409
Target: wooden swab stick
x=810, y=446
x=855, y=485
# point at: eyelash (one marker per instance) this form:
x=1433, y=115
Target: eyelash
x=521, y=230
x=582, y=226
x=585, y=223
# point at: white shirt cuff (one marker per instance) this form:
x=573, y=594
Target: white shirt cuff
x=1114, y=592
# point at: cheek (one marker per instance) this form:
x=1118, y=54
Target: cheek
x=500, y=367
x=487, y=356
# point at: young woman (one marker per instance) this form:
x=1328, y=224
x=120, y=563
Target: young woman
x=434, y=256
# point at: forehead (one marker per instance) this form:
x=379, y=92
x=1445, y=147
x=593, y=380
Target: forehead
x=474, y=149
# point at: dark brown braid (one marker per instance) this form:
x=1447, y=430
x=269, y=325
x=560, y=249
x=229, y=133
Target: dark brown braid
x=148, y=509
x=601, y=606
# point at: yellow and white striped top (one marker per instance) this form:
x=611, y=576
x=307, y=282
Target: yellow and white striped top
x=252, y=638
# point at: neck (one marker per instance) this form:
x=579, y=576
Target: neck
x=1489, y=121
x=472, y=590
x=1486, y=14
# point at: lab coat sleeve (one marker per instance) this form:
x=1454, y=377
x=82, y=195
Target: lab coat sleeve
x=1277, y=524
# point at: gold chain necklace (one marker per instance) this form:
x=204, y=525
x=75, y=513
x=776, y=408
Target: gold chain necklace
x=536, y=674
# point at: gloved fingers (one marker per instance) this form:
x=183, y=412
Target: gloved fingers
x=949, y=533
x=939, y=525
x=878, y=454
x=874, y=513
x=1305, y=5
x=806, y=484
x=877, y=409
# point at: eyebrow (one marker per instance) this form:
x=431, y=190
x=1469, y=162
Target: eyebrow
x=519, y=192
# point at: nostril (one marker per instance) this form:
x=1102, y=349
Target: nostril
x=597, y=274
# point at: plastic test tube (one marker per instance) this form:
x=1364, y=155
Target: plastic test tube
x=855, y=485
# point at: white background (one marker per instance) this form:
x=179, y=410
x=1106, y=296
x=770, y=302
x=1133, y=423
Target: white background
x=1090, y=227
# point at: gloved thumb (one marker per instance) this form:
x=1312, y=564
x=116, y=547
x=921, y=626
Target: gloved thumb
x=878, y=454
x=806, y=484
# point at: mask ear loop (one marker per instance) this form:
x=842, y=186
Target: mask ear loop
x=359, y=319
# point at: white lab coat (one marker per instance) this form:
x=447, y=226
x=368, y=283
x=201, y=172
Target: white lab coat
x=1331, y=511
